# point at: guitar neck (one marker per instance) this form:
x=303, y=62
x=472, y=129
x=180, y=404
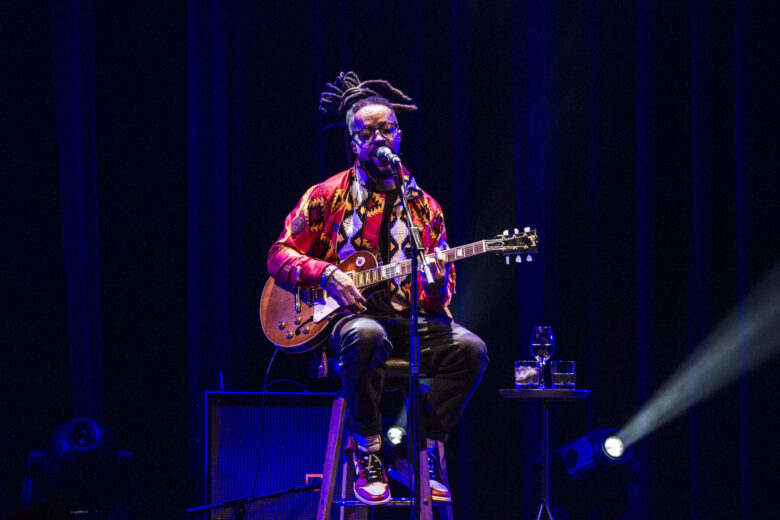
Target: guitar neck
x=404, y=268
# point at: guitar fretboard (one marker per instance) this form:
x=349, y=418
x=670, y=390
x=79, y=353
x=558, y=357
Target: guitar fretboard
x=404, y=268
x=382, y=273
x=506, y=244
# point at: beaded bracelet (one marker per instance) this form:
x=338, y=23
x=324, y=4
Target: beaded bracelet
x=326, y=273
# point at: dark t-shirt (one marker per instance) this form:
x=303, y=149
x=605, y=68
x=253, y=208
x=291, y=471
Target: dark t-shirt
x=378, y=303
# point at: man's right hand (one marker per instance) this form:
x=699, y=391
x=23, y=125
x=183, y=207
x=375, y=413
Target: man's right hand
x=341, y=287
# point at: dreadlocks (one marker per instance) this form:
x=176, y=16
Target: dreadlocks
x=347, y=94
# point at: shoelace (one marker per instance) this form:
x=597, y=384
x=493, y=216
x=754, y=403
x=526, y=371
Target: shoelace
x=433, y=466
x=370, y=467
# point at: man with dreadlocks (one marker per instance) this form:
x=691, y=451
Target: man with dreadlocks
x=358, y=209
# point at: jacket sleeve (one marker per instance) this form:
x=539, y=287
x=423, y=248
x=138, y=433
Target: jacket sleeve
x=288, y=260
x=438, y=238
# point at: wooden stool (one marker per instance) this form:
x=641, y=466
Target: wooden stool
x=396, y=376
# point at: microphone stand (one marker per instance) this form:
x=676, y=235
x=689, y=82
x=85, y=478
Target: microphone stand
x=417, y=449
x=241, y=505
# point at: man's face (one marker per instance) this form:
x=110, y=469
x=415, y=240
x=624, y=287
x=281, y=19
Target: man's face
x=378, y=118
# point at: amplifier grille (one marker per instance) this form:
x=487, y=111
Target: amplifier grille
x=288, y=446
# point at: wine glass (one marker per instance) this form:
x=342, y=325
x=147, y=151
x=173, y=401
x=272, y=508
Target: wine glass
x=542, y=348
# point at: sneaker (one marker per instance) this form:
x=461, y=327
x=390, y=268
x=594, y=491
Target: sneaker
x=439, y=492
x=370, y=479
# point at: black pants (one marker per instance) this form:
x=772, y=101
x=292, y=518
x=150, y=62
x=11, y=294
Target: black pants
x=453, y=356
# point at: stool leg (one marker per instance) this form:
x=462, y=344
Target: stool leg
x=426, y=507
x=445, y=512
x=332, y=457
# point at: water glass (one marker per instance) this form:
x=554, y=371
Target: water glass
x=542, y=348
x=526, y=374
x=563, y=374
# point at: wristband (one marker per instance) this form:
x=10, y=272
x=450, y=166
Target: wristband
x=326, y=274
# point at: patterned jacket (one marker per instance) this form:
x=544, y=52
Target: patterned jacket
x=341, y=215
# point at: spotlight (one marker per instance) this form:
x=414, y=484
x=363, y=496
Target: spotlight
x=395, y=435
x=596, y=451
x=614, y=447
x=81, y=474
x=595, y=474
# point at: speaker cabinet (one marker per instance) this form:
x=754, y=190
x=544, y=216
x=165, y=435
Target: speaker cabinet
x=281, y=442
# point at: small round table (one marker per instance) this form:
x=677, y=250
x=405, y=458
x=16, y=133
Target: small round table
x=544, y=397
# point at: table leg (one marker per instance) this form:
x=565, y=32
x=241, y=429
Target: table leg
x=544, y=482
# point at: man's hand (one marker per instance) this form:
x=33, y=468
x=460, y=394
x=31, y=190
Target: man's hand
x=441, y=275
x=343, y=290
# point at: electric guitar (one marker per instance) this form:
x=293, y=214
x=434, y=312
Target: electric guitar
x=296, y=319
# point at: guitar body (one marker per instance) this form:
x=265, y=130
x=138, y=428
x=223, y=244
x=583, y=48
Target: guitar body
x=302, y=329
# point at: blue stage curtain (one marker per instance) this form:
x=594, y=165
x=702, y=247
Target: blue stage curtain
x=645, y=226
x=215, y=204
x=534, y=65
x=72, y=28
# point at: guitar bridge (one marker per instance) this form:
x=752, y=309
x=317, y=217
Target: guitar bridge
x=298, y=299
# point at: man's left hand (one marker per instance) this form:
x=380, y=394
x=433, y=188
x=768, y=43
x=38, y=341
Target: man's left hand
x=441, y=275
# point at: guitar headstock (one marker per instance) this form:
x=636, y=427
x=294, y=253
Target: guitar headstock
x=519, y=243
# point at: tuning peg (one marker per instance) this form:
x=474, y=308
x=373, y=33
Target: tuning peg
x=518, y=259
x=529, y=258
x=526, y=229
x=517, y=232
x=506, y=232
x=507, y=260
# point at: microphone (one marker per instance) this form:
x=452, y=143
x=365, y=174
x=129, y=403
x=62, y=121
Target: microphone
x=387, y=154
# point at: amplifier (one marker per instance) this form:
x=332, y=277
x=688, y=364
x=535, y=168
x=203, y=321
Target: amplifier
x=282, y=443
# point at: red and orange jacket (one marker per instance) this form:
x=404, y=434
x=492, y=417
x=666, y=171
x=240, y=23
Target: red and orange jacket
x=342, y=215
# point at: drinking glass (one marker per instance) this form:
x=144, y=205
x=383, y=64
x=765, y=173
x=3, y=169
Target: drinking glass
x=563, y=374
x=542, y=348
x=526, y=374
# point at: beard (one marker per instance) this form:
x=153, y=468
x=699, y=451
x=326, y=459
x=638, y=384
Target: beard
x=374, y=171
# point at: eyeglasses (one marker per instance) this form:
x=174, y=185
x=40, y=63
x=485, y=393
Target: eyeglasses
x=387, y=129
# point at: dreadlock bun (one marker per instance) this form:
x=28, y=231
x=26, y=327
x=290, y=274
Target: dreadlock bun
x=347, y=89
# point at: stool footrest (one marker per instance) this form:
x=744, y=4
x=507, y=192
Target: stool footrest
x=394, y=502
x=353, y=502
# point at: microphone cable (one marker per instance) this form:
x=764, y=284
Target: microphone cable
x=241, y=510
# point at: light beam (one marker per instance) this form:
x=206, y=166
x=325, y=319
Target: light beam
x=747, y=337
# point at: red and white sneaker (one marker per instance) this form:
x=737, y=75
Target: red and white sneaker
x=370, y=478
x=439, y=492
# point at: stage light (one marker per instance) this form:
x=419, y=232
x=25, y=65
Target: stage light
x=595, y=474
x=81, y=467
x=598, y=451
x=395, y=435
x=614, y=447
x=81, y=474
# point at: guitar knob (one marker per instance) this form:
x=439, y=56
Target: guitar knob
x=305, y=330
x=282, y=325
x=289, y=334
x=297, y=320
